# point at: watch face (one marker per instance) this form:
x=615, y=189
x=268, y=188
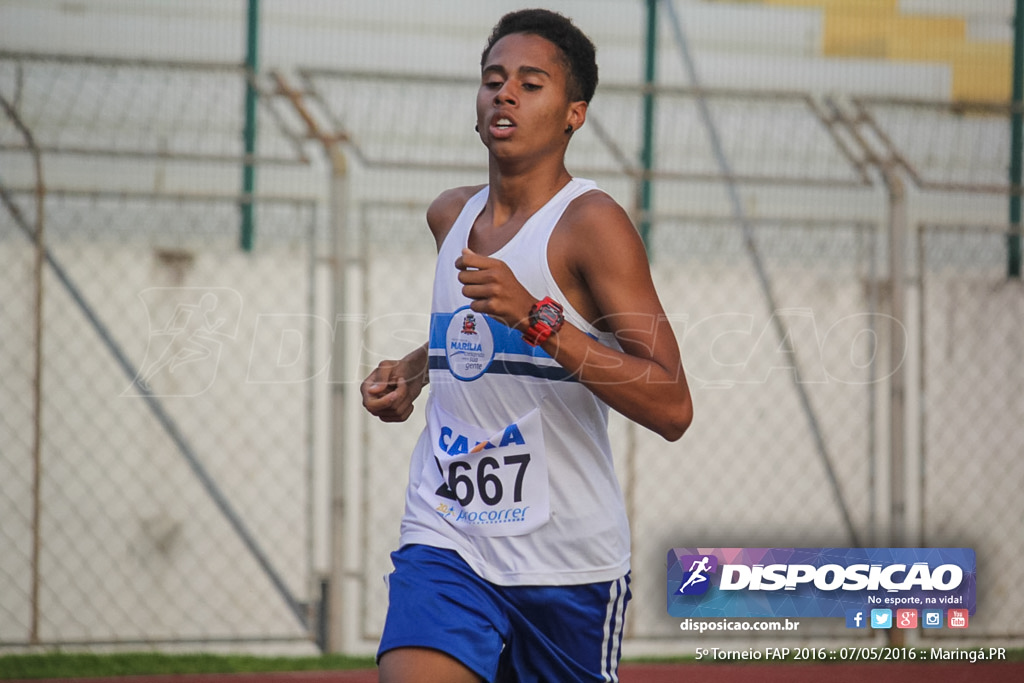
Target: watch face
x=549, y=315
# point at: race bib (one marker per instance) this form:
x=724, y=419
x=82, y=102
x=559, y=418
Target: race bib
x=487, y=484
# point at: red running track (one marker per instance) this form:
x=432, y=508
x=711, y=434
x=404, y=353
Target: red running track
x=901, y=672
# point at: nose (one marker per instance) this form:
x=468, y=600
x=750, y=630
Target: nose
x=505, y=95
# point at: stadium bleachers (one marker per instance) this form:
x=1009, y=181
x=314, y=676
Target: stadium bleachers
x=971, y=39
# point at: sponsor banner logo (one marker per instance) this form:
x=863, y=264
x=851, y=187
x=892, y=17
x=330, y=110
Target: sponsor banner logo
x=823, y=582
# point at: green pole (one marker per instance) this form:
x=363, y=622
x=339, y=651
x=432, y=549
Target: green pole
x=1016, y=142
x=647, y=151
x=249, y=132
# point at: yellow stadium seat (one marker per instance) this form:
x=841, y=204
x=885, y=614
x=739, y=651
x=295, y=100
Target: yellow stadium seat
x=876, y=29
x=862, y=34
x=866, y=6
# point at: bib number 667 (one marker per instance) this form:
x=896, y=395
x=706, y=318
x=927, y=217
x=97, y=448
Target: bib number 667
x=463, y=482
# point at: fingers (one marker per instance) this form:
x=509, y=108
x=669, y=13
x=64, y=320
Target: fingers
x=378, y=381
x=492, y=287
x=475, y=267
x=397, y=409
x=386, y=394
x=469, y=259
x=392, y=405
x=477, y=278
x=482, y=277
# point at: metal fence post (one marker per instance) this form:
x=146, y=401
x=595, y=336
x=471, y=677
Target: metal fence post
x=897, y=380
x=37, y=381
x=346, y=469
x=1016, y=143
x=897, y=274
x=249, y=133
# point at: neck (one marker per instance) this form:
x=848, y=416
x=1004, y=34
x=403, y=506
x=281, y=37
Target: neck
x=513, y=194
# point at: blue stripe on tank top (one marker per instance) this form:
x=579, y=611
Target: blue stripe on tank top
x=507, y=342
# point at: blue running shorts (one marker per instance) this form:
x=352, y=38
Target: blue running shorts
x=521, y=634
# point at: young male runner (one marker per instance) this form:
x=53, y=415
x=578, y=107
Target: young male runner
x=514, y=557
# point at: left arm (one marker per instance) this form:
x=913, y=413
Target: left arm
x=599, y=261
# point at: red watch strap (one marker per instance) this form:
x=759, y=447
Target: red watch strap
x=537, y=333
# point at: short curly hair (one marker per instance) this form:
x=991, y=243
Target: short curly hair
x=578, y=52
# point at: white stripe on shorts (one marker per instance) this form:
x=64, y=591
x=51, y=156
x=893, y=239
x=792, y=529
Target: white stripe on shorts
x=613, y=631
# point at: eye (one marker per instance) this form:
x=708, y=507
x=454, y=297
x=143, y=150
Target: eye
x=493, y=84
x=532, y=86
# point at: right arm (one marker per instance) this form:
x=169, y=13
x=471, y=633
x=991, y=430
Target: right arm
x=391, y=389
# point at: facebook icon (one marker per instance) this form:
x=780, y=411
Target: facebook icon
x=855, y=618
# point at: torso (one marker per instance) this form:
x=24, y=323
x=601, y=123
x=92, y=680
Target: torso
x=568, y=240
x=484, y=379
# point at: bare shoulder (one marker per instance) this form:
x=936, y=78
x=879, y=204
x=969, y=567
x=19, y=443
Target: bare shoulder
x=597, y=203
x=599, y=228
x=446, y=208
x=599, y=261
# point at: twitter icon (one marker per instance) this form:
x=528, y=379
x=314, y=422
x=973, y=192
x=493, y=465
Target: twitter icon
x=881, y=618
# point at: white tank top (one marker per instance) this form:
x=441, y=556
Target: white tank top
x=514, y=469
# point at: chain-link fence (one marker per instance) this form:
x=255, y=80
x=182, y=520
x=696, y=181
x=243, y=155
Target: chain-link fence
x=169, y=498
x=971, y=392
x=158, y=420
x=168, y=433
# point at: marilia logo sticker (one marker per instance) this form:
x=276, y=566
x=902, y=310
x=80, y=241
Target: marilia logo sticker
x=816, y=582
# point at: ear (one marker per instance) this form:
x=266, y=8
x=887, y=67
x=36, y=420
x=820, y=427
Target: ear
x=577, y=115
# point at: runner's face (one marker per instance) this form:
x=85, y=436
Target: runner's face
x=522, y=102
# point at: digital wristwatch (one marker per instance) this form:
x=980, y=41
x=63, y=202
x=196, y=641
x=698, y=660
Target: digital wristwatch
x=546, y=318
